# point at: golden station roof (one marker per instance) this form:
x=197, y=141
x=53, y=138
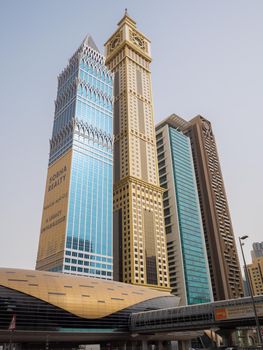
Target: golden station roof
x=82, y=296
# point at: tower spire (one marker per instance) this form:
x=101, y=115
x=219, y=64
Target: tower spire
x=126, y=18
x=88, y=41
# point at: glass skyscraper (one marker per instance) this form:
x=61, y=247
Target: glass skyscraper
x=76, y=228
x=188, y=264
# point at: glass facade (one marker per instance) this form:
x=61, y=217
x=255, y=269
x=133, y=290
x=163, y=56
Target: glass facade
x=83, y=126
x=196, y=272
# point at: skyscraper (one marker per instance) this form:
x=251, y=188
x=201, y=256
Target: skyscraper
x=220, y=242
x=76, y=228
x=188, y=264
x=257, y=251
x=255, y=270
x=139, y=237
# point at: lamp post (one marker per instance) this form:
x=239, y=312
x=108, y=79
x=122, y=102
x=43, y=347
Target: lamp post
x=251, y=291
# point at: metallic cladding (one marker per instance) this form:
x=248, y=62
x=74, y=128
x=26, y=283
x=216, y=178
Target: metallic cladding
x=54, y=217
x=84, y=297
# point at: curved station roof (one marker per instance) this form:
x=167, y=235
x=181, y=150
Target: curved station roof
x=83, y=297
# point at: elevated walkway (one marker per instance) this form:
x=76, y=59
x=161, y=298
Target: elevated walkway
x=227, y=314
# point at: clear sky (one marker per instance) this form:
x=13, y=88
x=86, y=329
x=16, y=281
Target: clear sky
x=207, y=59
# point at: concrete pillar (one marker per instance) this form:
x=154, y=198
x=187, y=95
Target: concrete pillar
x=184, y=344
x=227, y=335
x=168, y=345
x=160, y=345
x=173, y=345
x=144, y=345
x=122, y=346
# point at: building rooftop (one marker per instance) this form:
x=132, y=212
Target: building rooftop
x=174, y=121
x=88, y=41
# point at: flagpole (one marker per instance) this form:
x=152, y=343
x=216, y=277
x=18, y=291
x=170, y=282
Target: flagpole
x=10, y=340
x=12, y=327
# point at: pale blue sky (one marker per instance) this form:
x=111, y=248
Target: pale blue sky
x=207, y=59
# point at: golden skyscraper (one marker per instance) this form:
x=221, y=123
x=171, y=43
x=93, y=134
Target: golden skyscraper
x=255, y=271
x=140, y=255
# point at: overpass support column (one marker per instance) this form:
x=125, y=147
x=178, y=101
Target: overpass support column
x=123, y=346
x=160, y=345
x=167, y=345
x=144, y=345
x=135, y=345
x=228, y=335
x=184, y=344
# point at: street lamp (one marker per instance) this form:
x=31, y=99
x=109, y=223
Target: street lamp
x=251, y=291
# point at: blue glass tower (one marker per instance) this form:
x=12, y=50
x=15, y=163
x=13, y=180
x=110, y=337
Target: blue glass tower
x=76, y=228
x=188, y=264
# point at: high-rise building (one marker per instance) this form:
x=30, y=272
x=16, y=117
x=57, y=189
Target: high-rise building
x=257, y=251
x=188, y=265
x=255, y=270
x=140, y=255
x=220, y=242
x=76, y=228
